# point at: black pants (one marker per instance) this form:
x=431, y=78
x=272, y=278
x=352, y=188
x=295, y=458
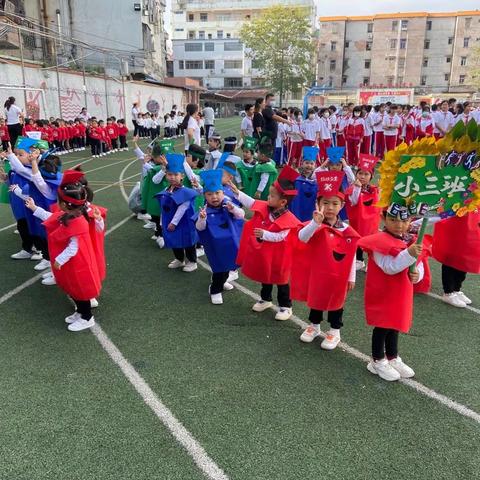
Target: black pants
x=14, y=131
x=123, y=141
x=95, y=144
x=207, y=130
x=84, y=308
x=81, y=142
x=334, y=317
x=384, y=341
x=158, y=227
x=360, y=254
x=5, y=145
x=218, y=280
x=189, y=252
x=114, y=143
x=42, y=245
x=283, y=294
x=135, y=127
x=27, y=239
x=452, y=279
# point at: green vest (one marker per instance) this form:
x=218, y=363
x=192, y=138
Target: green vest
x=271, y=169
x=150, y=189
x=200, y=199
x=246, y=175
x=4, y=196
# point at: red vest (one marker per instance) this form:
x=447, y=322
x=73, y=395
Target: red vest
x=98, y=240
x=425, y=284
x=364, y=217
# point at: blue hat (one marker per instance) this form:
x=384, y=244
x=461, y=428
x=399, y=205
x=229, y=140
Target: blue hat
x=335, y=154
x=310, y=153
x=175, y=162
x=25, y=143
x=221, y=164
x=212, y=180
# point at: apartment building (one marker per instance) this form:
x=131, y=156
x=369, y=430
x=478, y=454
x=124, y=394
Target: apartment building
x=433, y=52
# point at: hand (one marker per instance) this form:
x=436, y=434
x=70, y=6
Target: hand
x=257, y=195
x=12, y=187
x=194, y=183
x=357, y=183
x=258, y=232
x=203, y=213
x=344, y=162
x=30, y=204
x=414, y=276
x=96, y=214
x=163, y=160
x=57, y=266
x=3, y=154
x=9, y=148
x=234, y=188
x=350, y=286
x=171, y=227
x=229, y=206
x=318, y=216
x=415, y=249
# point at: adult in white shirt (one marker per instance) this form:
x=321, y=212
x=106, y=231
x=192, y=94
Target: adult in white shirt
x=443, y=119
x=14, y=119
x=84, y=115
x=247, y=121
x=135, y=113
x=209, y=118
x=192, y=126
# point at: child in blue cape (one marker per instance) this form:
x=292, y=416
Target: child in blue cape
x=229, y=174
x=219, y=225
x=177, y=209
x=304, y=204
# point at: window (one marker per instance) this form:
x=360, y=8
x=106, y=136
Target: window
x=233, y=46
x=366, y=81
x=334, y=28
x=404, y=24
x=448, y=59
x=429, y=24
x=347, y=44
x=179, y=29
x=219, y=33
x=224, y=17
x=426, y=45
x=191, y=17
x=344, y=79
x=191, y=35
x=178, y=12
x=463, y=61
x=258, y=82
x=394, y=25
x=180, y=65
x=368, y=63
x=333, y=46
x=209, y=64
x=333, y=65
x=447, y=77
x=399, y=80
x=390, y=80
x=229, y=35
x=368, y=46
x=193, y=64
x=393, y=43
x=204, y=17
x=425, y=62
x=403, y=43
x=401, y=63
x=468, y=22
x=209, y=47
x=461, y=79
x=345, y=63
x=209, y=36
x=231, y=64
x=450, y=40
x=423, y=80
x=233, y=82
x=201, y=35
x=369, y=27
x=466, y=41
x=193, y=47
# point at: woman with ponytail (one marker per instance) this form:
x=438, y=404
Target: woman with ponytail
x=191, y=125
x=14, y=119
x=72, y=253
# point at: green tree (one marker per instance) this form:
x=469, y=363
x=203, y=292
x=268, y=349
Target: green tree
x=280, y=42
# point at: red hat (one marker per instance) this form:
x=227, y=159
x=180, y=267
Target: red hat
x=367, y=162
x=329, y=183
x=71, y=177
x=287, y=173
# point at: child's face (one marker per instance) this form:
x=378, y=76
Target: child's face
x=212, y=144
x=214, y=199
x=331, y=206
x=158, y=159
x=192, y=161
x=336, y=167
x=275, y=200
x=364, y=177
x=226, y=177
x=174, y=179
x=396, y=226
x=308, y=167
x=247, y=156
x=23, y=156
x=262, y=158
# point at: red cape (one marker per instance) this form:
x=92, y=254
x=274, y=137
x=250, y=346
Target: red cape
x=98, y=240
x=322, y=267
x=456, y=242
x=79, y=277
x=267, y=262
x=364, y=217
x=425, y=285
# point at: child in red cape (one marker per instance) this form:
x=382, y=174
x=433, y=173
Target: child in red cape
x=361, y=201
x=389, y=291
x=72, y=254
x=324, y=267
x=265, y=252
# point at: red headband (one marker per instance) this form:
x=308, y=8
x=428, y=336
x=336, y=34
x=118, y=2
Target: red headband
x=73, y=201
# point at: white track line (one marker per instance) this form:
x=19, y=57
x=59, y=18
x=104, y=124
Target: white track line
x=8, y=227
x=468, y=307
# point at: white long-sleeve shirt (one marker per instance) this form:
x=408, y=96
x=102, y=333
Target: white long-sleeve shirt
x=354, y=197
x=392, y=265
x=237, y=212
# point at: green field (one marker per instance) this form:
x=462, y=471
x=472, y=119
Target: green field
x=170, y=387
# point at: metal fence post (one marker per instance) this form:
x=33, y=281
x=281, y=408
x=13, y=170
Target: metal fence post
x=20, y=41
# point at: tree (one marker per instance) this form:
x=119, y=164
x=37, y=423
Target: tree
x=280, y=42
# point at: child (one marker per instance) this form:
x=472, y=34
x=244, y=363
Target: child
x=324, y=269
x=366, y=146
x=361, y=201
x=389, y=291
x=219, y=227
x=265, y=171
x=112, y=133
x=214, y=154
x=391, y=123
x=95, y=136
x=295, y=138
x=310, y=129
x=303, y=204
x=122, y=135
x=4, y=135
x=71, y=251
x=194, y=163
x=425, y=124
x=245, y=166
x=354, y=134
x=176, y=203
x=265, y=253
x=104, y=139
x=324, y=132
x=378, y=132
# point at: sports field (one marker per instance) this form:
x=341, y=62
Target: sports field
x=170, y=387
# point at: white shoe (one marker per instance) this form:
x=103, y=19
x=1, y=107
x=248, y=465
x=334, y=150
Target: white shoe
x=359, y=264
x=200, y=252
x=49, y=281
x=160, y=242
x=81, y=324
x=47, y=274
x=228, y=286
x=454, y=300
x=402, y=368
x=464, y=298
x=232, y=276
x=21, y=255
x=331, y=340
x=36, y=256
x=383, y=369
x=42, y=265
x=93, y=303
x=190, y=267
x=153, y=237
x=73, y=317
x=283, y=314
x=310, y=333
x=16, y=232
x=144, y=216
x=150, y=225
x=217, y=299
x=176, y=264
x=261, y=306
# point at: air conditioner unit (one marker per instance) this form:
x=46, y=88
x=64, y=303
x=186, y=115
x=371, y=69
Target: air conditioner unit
x=212, y=71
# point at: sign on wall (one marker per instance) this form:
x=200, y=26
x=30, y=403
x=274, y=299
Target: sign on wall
x=384, y=95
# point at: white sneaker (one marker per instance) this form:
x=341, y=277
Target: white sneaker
x=232, y=276
x=16, y=232
x=47, y=274
x=384, y=370
x=261, y=306
x=160, y=242
x=228, y=286
x=153, y=237
x=200, y=252
x=36, y=256
x=93, y=303
x=49, y=281
x=310, y=333
x=217, y=299
x=359, y=264
x=454, y=300
x=73, y=317
x=144, y=216
x=176, y=264
x=283, y=314
x=464, y=298
x=331, y=340
x=81, y=324
x=190, y=267
x=402, y=368
x=21, y=255
x=149, y=225
x=42, y=265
